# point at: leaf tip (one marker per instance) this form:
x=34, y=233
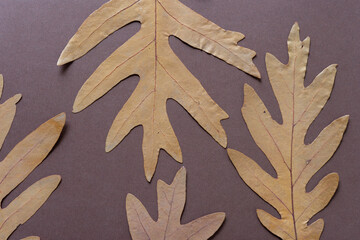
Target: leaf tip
x=255, y=72
x=222, y=216
x=148, y=176
x=181, y=172
x=261, y=214
x=60, y=118
x=108, y=148
x=53, y=180
x=247, y=89
x=336, y=176
x=177, y=154
x=76, y=108
x=231, y=152
x=110, y=143
x=78, y=104
x=332, y=67
x=269, y=57
x=59, y=62
x=129, y=197
x=345, y=119
x=179, y=158
x=223, y=142
x=294, y=34
x=17, y=97
x=57, y=178
x=63, y=59
x=246, y=86
x=295, y=26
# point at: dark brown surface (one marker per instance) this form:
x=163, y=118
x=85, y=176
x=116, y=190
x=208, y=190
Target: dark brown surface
x=90, y=201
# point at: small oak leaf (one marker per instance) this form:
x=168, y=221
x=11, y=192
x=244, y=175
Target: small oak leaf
x=171, y=202
x=294, y=161
x=162, y=74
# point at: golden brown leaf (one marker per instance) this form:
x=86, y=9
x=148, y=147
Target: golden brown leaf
x=7, y=113
x=171, y=201
x=283, y=144
x=17, y=165
x=162, y=74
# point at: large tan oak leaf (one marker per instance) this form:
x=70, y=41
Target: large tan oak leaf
x=162, y=74
x=19, y=163
x=171, y=202
x=294, y=161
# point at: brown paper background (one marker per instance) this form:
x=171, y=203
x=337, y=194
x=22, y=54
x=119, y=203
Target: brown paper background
x=90, y=201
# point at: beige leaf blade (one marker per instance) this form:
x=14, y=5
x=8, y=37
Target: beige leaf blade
x=110, y=17
x=198, y=230
x=26, y=204
x=171, y=201
x=20, y=162
x=283, y=144
x=1, y=84
x=162, y=75
x=31, y=238
x=29, y=153
x=7, y=114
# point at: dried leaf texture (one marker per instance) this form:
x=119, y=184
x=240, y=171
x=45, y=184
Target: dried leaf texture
x=7, y=113
x=162, y=74
x=19, y=163
x=283, y=144
x=171, y=202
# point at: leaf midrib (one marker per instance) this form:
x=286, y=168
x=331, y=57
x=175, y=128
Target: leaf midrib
x=156, y=62
x=22, y=158
x=292, y=147
x=154, y=40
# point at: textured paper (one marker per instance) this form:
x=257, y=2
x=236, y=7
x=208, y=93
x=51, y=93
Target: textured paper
x=283, y=144
x=171, y=202
x=162, y=74
x=19, y=163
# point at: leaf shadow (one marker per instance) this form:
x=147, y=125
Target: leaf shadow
x=64, y=68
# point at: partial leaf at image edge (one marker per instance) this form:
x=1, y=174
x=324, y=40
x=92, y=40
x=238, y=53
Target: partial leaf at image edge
x=171, y=202
x=17, y=165
x=162, y=74
x=7, y=113
x=294, y=161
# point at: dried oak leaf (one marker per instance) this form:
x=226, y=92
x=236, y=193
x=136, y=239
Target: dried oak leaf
x=162, y=74
x=171, y=202
x=294, y=161
x=19, y=163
